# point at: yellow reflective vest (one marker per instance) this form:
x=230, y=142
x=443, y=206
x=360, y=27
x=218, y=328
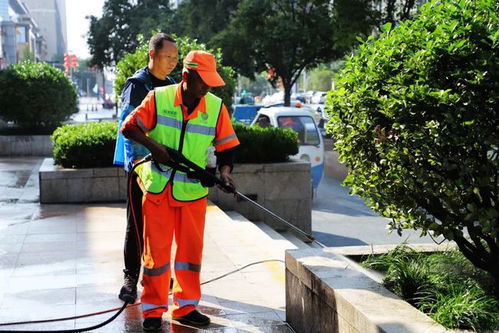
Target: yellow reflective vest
x=192, y=138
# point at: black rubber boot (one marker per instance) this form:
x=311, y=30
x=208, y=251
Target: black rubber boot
x=194, y=318
x=128, y=292
x=152, y=324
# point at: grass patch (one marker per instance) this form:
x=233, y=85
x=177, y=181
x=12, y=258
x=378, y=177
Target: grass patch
x=444, y=285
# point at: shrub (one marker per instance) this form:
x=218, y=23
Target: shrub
x=92, y=144
x=87, y=145
x=265, y=145
x=131, y=62
x=415, y=119
x=36, y=96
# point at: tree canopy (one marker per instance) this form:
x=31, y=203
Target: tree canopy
x=203, y=19
x=281, y=36
x=115, y=33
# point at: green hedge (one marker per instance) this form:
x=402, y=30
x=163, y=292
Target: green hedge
x=415, y=118
x=265, y=145
x=37, y=97
x=92, y=145
x=87, y=145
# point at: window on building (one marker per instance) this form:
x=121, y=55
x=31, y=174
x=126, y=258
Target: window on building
x=22, y=34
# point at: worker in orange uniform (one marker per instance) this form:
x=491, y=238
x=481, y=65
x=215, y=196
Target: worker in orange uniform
x=189, y=119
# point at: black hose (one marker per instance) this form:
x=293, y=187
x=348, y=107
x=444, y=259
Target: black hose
x=180, y=159
x=104, y=323
x=76, y=330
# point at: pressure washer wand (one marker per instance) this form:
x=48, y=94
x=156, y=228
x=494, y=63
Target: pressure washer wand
x=309, y=237
x=182, y=160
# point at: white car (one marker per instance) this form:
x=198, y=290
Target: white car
x=298, y=104
x=302, y=121
x=319, y=97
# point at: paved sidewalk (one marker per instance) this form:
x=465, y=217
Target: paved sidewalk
x=66, y=260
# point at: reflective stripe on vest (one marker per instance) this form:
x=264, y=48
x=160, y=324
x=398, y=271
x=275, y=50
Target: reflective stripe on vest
x=199, y=134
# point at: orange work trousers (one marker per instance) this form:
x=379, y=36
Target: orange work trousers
x=164, y=218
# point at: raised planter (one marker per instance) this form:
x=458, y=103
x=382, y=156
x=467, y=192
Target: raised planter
x=25, y=145
x=60, y=185
x=328, y=292
x=283, y=188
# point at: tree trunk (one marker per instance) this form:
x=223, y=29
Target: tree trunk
x=488, y=262
x=287, y=91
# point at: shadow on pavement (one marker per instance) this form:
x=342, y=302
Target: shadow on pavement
x=336, y=240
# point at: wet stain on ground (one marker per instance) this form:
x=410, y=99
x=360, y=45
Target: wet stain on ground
x=16, y=179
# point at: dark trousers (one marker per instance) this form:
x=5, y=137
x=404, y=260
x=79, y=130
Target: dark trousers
x=134, y=237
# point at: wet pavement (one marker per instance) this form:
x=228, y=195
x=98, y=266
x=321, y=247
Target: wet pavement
x=66, y=260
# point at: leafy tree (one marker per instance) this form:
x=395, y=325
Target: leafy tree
x=321, y=79
x=286, y=36
x=203, y=19
x=353, y=19
x=392, y=11
x=114, y=34
x=133, y=61
x=258, y=87
x=415, y=118
x=36, y=96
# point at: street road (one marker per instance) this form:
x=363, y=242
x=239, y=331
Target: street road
x=340, y=219
x=90, y=109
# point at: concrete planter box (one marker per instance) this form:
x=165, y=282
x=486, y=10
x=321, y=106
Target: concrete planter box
x=327, y=292
x=283, y=188
x=25, y=145
x=60, y=185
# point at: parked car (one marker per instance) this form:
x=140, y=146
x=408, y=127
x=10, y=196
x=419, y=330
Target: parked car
x=308, y=96
x=311, y=147
x=300, y=105
x=245, y=113
x=300, y=97
x=319, y=97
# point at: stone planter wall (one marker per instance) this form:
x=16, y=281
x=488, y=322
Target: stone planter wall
x=59, y=185
x=25, y=145
x=283, y=188
x=327, y=292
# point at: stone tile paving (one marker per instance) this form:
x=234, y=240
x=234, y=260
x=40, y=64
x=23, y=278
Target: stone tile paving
x=66, y=260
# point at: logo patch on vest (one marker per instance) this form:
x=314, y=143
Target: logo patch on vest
x=204, y=116
x=170, y=112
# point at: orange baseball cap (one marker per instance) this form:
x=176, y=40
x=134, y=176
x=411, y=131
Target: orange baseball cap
x=204, y=63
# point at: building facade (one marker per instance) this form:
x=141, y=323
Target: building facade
x=50, y=15
x=20, y=35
